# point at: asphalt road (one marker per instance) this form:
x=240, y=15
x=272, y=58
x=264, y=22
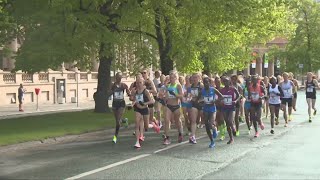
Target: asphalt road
x=291, y=153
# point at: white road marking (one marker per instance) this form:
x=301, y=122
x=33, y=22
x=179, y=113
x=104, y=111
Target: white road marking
x=126, y=161
x=107, y=167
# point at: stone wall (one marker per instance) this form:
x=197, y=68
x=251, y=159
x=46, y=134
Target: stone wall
x=48, y=82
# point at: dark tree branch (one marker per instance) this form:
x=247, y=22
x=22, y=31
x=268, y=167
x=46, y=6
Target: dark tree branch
x=142, y=32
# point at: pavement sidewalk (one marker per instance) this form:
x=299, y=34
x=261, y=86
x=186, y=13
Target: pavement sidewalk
x=11, y=111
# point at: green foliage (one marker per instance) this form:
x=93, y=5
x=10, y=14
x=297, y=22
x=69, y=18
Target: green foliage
x=7, y=25
x=210, y=34
x=303, y=47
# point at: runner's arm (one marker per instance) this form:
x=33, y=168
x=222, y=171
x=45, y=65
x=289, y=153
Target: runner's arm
x=220, y=97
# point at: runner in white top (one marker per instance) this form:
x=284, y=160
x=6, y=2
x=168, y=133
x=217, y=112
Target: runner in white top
x=274, y=94
x=287, y=88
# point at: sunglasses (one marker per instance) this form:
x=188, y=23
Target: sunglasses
x=143, y=72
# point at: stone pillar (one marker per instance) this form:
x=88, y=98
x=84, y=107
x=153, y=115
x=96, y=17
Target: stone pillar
x=9, y=61
x=246, y=71
x=62, y=67
x=271, y=68
x=234, y=71
x=95, y=65
x=1, y=77
x=259, y=66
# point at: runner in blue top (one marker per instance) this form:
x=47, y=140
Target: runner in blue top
x=208, y=97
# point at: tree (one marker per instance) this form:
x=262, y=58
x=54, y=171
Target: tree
x=7, y=28
x=303, y=47
x=66, y=31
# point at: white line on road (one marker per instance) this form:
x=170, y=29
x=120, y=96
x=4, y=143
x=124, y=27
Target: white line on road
x=107, y=167
x=126, y=161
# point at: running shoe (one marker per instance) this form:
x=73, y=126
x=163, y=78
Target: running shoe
x=198, y=126
x=212, y=144
x=141, y=138
x=192, y=140
x=286, y=124
x=262, y=126
x=114, y=140
x=156, y=128
x=222, y=137
x=230, y=141
x=166, y=141
x=134, y=133
x=272, y=131
x=315, y=112
x=277, y=121
x=137, y=145
x=237, y=133
x=160, y=124
x=241, y=119
x=214, y=133
x=125, y=122
x=234, y=132
x=180, y=138
x=201, y=126
x=257, y=135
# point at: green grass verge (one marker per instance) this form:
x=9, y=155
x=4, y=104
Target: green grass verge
x=17, y=130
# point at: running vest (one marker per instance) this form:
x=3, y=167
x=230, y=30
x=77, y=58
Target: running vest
x=310, y=87
x=287, y=89
x=229, y=96
x=274, y=98
x=194, y=91
x=208, y=95
x=142, y=97
x=161, y=87
x=118, y=92
x=255, y=92
x=174, y=89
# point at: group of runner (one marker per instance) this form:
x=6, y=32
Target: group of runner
x=219, y=103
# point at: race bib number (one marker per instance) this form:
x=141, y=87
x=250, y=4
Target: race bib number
x=208, y=100
x=310, y=89
x=227, y=100
x=287, y=93
x=118, y=95
x=194, y=92
x=274, y=98
x=139, y=97
x=171, y=96
x=255, y=96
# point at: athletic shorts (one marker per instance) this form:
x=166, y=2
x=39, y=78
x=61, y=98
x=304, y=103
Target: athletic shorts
x=311, y=95
x=275, y=105
x=286, y=101
x=186, y=105
x=197, y=106
x=143, y=112
x=256, y=105
x=228, y=109
x=209, y=109
x=247, y=105
x=118, y=104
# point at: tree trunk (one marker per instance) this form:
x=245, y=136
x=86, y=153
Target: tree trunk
x=104, y=82
x=166, y=63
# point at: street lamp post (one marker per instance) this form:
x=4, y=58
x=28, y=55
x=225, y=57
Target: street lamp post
x=77, y=80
